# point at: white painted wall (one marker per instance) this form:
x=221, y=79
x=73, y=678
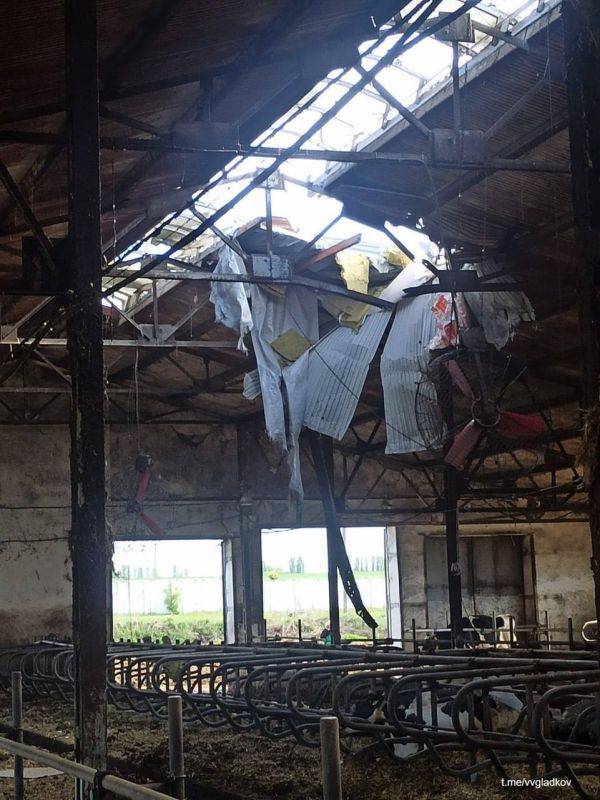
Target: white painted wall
x=148, y=596
x=306, y=594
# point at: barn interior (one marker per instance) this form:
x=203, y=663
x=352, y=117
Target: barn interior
x=294, y=267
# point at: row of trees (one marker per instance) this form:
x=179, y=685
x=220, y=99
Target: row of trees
x=372, y=564
x=127, y=571
x=296, y=565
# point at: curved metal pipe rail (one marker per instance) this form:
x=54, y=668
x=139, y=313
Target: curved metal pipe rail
x=502, y=710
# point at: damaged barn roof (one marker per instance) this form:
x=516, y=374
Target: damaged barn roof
x=163, y=346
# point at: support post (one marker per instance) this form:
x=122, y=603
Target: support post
x=17, y=721
x=229, y=598
x=330, y=758
x=392, y=579
x=332, y=526
x=582, y=58
x=251, y=572
x=452, y=555
x=176, y=757
x=247, y=567
x=88, y=539
x=456, y=98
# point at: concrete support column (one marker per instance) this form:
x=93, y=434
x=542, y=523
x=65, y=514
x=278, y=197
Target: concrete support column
x=393, y=583
x=231, y=610
x=250, y=574
x=413, y=590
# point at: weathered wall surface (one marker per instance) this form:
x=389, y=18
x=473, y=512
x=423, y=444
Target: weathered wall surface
x=35, y=571
x=564, y=577
x=561, y=583
x=199, y=475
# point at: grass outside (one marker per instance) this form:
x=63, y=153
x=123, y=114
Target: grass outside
x=208, y=625
x=285, y=623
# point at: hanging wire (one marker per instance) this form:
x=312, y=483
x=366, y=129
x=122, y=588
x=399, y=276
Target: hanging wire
x=137, y=397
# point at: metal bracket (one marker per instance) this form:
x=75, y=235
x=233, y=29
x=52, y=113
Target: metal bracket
x=460, y=30
x=163, y=332
x=463, y=146
x=9, y=334
x=272, y=266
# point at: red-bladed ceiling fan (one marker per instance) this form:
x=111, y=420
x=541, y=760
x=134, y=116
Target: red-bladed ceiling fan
x=461, y=401
x=143, y=463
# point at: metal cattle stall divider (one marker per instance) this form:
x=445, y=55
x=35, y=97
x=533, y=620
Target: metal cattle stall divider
x=501, y=709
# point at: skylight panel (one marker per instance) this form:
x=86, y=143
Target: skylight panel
x=413, y=74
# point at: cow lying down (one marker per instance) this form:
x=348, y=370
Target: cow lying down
x=505, y=711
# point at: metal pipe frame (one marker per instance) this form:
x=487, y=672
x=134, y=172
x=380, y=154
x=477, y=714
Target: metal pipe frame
x=341, y=156
x=92, y=777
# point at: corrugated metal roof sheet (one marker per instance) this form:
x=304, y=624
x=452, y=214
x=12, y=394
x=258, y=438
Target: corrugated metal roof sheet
x=338, y=369
x=402, y=363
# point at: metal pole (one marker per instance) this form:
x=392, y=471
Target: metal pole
x=414, y=634
x=332, y=527
x=582, y=60
x=83, y=265
x=330, y=758
x=452, y=555
x=176, y=752
x=456, y=99
x=571, y=636
x=17, y=721
x=84, y=774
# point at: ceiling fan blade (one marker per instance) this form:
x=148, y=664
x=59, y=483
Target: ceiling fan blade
x=516, y=425
x=459, y=378
x=464, y=444
x=151, y=524
x=142, y=486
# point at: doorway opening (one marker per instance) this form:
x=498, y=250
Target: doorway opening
x=295, y=582
x=497, y=578
x=168, y=590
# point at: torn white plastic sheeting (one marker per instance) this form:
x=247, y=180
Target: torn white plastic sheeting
x=415, y=274
x=230, y=300
x=337, y=370
x=499, y=313
x=273, y=314
x=403, y=361
x=296, y=380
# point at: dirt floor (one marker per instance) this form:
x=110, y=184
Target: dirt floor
x=230, y=766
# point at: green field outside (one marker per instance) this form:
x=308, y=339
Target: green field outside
x=208, y=625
